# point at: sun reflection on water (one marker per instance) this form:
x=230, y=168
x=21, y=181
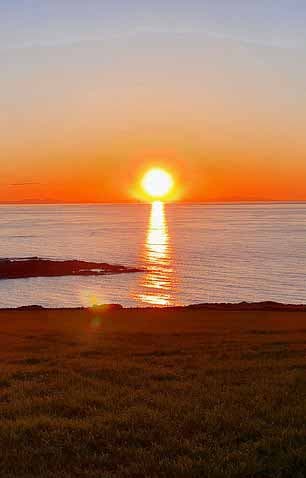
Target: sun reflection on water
x=157, y=284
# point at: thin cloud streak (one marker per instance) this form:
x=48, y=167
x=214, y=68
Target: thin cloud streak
x=78, y=42
x=13, y=185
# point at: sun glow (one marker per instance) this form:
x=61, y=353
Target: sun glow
x=157, y=183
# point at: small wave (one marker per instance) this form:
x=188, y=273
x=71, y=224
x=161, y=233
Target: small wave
x=21, y=237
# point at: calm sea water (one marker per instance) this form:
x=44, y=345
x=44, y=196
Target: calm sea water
x=192, y=253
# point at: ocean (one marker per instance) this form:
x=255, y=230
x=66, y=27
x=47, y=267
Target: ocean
x=192, y=253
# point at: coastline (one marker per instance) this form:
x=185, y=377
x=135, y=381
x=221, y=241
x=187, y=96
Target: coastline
x=224, y=306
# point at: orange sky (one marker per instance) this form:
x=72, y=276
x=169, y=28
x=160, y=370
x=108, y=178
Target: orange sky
x=220, y=104
x=203, y=170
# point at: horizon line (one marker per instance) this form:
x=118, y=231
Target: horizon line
x=216, y=201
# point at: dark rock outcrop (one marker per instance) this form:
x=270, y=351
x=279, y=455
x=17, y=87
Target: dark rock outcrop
x=21, y=268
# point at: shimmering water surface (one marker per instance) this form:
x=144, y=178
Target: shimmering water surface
x=192, y=253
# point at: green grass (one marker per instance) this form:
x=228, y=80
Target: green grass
x=153, y=394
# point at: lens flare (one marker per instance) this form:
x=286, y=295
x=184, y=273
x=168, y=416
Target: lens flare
x=157, y=183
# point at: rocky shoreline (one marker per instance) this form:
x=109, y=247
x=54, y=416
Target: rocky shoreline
x=29, y=267
x=267, y=306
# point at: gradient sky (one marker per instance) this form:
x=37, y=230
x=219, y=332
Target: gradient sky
x=93, y=93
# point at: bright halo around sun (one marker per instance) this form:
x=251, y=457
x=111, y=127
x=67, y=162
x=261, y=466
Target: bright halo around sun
x=157, y=183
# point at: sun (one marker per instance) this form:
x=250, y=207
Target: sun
x=157, y=183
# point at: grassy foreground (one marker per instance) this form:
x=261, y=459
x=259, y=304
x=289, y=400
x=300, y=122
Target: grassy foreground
x=187, y=393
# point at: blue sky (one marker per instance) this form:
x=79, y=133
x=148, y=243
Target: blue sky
x=41, y=22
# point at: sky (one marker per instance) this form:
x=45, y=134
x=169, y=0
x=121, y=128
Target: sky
x=94, y=93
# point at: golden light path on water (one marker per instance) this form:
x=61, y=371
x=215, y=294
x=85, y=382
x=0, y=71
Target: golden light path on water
x=157, y=284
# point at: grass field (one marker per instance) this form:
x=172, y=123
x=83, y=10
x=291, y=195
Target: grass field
x=188, y=393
